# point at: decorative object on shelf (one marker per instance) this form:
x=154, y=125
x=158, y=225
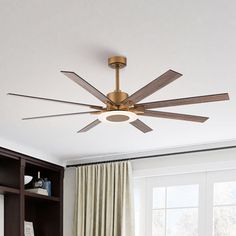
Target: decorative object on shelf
x=27, y=179
x=39, y=182
x=29, y=229
x=122, y=108
x=38, y=191
x=48, y=186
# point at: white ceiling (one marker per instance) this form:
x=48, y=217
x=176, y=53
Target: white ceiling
x=40, y=38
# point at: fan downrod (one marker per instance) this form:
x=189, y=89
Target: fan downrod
x=117, y=63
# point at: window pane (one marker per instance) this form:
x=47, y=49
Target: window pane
x=182, y=222
x=159, y=198
x=158, y=223
x=225, y=193
x=224, y=221
x=182, y=196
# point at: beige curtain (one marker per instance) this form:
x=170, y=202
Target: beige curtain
x=104, y=205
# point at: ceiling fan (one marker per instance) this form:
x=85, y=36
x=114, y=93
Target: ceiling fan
x=119, y=107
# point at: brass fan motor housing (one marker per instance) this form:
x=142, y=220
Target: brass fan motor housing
x=117, y=62
x=117, y=96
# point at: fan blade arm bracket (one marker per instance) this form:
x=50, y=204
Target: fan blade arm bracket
x=128, y=103
x=137, y=110
x=97, y=112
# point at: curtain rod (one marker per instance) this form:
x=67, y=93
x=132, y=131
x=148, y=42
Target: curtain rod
x=153, y=156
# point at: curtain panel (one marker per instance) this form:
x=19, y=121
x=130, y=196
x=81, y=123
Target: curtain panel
x=104, y=200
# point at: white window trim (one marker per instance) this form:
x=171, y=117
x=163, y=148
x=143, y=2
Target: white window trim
x=175, y=180
x=185, y=163
x=215, y=177
x=185, y=169
x=205, y=180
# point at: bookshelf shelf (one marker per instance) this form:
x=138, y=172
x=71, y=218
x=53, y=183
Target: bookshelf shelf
x=8, y=190
x=36, y=196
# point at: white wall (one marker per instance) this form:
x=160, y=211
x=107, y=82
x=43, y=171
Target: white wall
x=185, y=163
x=1, y=215
x=169, y=165
x=69, y=199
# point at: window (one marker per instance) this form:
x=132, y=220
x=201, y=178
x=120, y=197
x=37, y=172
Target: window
x=186, y=205
x=175, y=211
x=224, y=209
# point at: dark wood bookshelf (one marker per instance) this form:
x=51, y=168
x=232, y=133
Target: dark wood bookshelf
x=8, y=190
x=46, y=212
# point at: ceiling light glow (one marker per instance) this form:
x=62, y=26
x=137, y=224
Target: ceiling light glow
x=115, y=117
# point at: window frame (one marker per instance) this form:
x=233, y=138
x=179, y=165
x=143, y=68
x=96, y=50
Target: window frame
x=211, y=179
x=205, y=180
x=176, y=180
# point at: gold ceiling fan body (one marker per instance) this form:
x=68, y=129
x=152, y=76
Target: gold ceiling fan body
x=118, y=96
x=122, y=108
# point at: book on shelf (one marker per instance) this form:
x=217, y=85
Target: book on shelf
x=29, y=229
x=38, y=191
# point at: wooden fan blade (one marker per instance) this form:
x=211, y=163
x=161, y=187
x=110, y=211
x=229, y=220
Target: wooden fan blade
x=84, y=84
x=141, y=126
x=185, y=101
x=58, y=115
x=56, y=100
x=89, y=126
x=152, y=87
x=174, y=116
